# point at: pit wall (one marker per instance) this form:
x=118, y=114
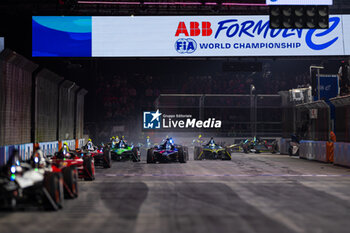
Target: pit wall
x=26, y=150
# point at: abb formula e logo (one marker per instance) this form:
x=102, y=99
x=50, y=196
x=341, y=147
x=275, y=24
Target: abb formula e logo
x=194, y=29
x=251, y=34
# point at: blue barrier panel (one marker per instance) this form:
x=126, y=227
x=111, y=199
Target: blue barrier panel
x=24, y=150
x=71, y=144
x=49, y=148
x=81, y=143
x=342, y=154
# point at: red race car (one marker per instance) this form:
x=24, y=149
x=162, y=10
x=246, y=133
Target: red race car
x=102, y=155
x=84, y=162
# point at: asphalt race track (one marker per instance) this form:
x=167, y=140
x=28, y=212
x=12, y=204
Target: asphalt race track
x=252, y=193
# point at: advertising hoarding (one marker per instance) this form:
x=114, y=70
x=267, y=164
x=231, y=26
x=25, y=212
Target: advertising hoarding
x=183, y=36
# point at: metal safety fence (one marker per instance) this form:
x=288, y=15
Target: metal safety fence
x=241, y=115
x=36, y=106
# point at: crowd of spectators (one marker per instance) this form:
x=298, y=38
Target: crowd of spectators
x=120, y=96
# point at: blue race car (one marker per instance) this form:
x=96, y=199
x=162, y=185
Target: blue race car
x=212, y=151
x=167, y=151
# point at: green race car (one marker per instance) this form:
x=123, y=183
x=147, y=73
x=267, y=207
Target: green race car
x=123, y=152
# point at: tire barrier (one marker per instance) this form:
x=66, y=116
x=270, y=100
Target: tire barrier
x=342, y=154
x=313, y=150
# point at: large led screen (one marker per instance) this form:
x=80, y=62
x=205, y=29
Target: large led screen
x=183, y=36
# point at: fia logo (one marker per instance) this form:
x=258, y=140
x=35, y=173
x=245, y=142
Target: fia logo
x=185, y=45
x=151, y=120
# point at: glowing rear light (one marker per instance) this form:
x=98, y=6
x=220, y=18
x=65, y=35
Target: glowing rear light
x=13, y=169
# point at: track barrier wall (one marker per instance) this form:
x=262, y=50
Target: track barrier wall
x=80, y=143
x=66, y=110
x=342, y=113
x=49, y=148
x=15, y=98
x=284, y=145
x=36, y=107
x=24, y=150
x=71, y=144
x=46, y=106
x=342, y=154
x=313, y=150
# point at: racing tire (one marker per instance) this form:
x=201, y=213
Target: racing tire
x=135, y=155
x=181, y=155
x=290, y=151
x=114, y=156
x=8, y=202
x=196, y=153
x=186, y=153
x=53, y=183
x=150, y=156
x=227, y=155
x=107, y=158
x=70, y=179
x=89, y=169
x=245, y=149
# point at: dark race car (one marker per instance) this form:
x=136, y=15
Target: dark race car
x=30, y=183
x=123, y=152
x=167, y=151
x=211, y=151
x=257, y=145
x=101, y=154
x=294, y=146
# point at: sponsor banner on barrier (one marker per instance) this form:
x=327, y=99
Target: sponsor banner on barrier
x=184, y=36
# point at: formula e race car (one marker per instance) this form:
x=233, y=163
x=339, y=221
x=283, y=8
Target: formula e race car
x=83, y=161
x=123, y=152
x=31, y=183
x=101, y=154
x=211, y=151
x=167, y=151
x=294, y=146
x=237, y=147
x=257, y=145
